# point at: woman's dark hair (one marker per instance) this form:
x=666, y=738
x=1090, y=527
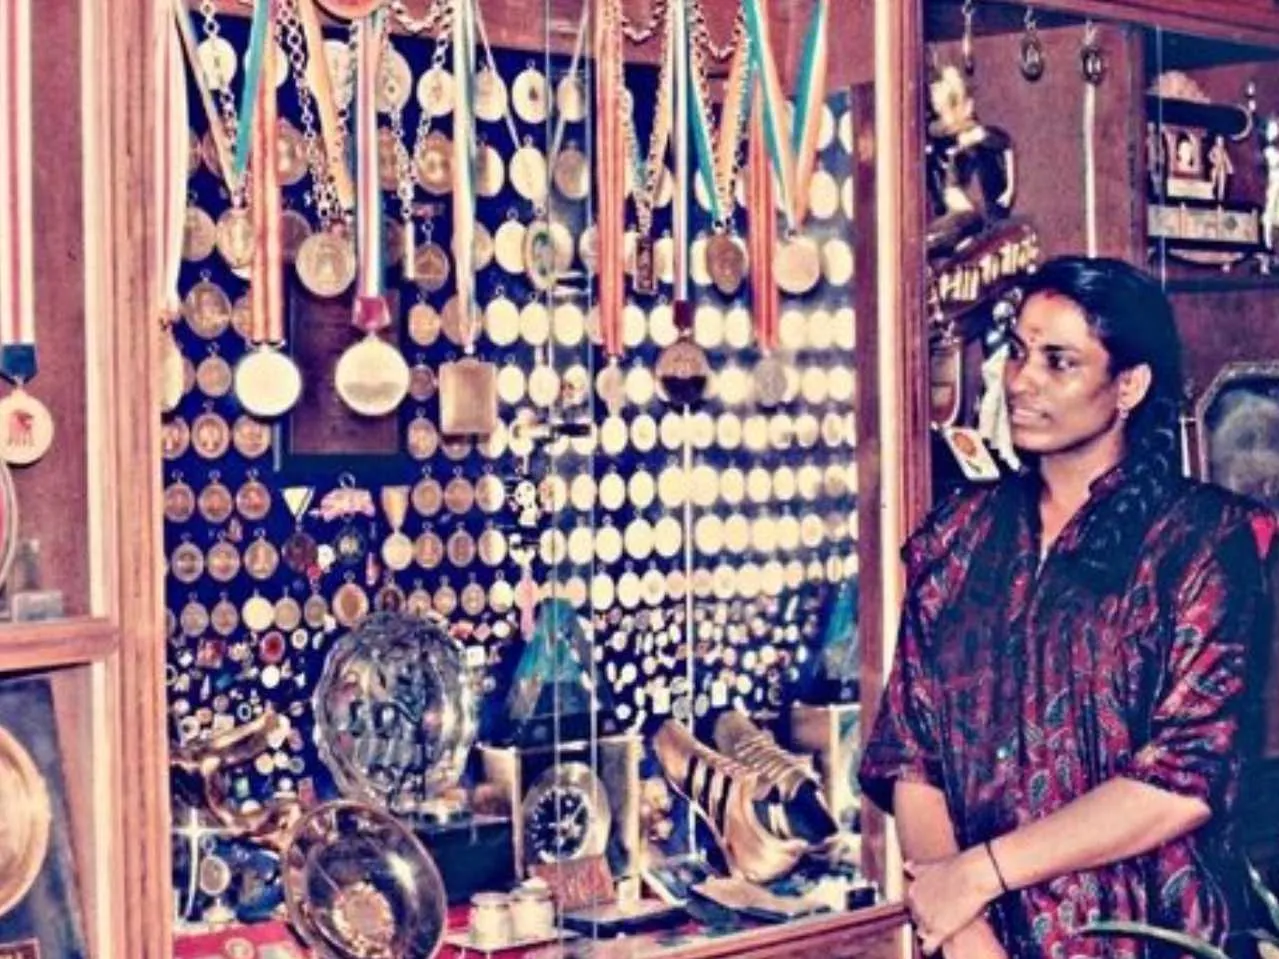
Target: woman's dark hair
x=1133, y=319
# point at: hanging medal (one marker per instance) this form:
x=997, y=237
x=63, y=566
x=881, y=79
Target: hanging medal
x=267, y=381
x=371, y=377
x=397, y=548
x=770, y=372
x=172, y=215
x=468, y=386
x=26, y=427
x=300, y=551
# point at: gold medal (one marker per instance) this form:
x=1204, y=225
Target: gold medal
x=422, y=383
x=535, y=323
x=371, y=377
x=482, y=249
x=502, y=320
x=216, y=502
x=288, y=614
x=253, y=499
x=468, y=398
x=199, y=235
x=570, y=98
x=250, y=437
x=798, y=265
x=511, y=384
x=508, y=246
x=326, y=263
x=490, y=493
x=490, y=173
x=186, y=563
x=725, y=263
x=474, y=599
x=350, y=604
x=194, y=619
x=175, y=438
x=528, y=173
x=267, y=382
x=454, y=325
x=242, y=317
x=290, y=153
x=459, y=495
x=823, y=194
x=445, y=599
x=529, y=97
x=394, y=81
x=235, y=238
x=460, y=549
x=572, y=173
x=539, y=256
x=218, y=62
x=428, y=549
x=431, y=267
x=770, y=381
x=397, y=551
x=207, y=309
x=222, y=561
x=421, y=438
x=179, y=501
x=388, y=162
x=435, y=92
x=261, y=559
x=210, y=436
x=427, y=496
x=424, y=324
x=491, y=97
x=435, y=164
x=837, y=262
x=213, y=376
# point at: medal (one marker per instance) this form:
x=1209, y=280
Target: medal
x=837, y=262
x=350, y=604
x=421, y=438
x=490, y=174
x=491, y=96
x=394, y=81
x=253, y=499
x=371, y=376
x=571, y=173
x=435, y=93
x=207, y=309
x=222, y=562
x=508, y=246
x=214, y=376
x=250, y=438
x=570, y=98
x=528, y=173
x=179, y=500
x=326, y=263
x=397, y=548
x=199, y=235
x=261, y=559
x=427, y=496
x=725, y=263
x=798, y=265
x=428, y=549
x=435, y=164
x=431, y=267
x=422, y=382
x=770, y=381
x=424, y=324
x=528, y=95
x=290, y=161
x=175, y=438
x=210, y=436
x=235, y=238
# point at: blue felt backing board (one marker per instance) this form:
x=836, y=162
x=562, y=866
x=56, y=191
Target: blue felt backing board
x=203, y=685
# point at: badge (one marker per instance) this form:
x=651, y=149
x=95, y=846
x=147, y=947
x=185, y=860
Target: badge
x=427, y=496
x=459, y=495
x=213, y=376
x=350, y=604
x=460, y=549
x=250, y=438
x=199, y=235
x=186, y=563
x=326, y=263
x=261, y=559
x=421, y=438
x=490, y=173
x=350, y=545
x=971, y=454
x=539, y=256
x=218, y=62
x=210, y=436
x=235, y=238
x=394, y=81
x=179, y=501
x=428, y=549
x=253, y=499
x=683, y=373
x=491, y=547
x=222, y=561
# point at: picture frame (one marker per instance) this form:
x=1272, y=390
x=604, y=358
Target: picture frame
x=1236, y=445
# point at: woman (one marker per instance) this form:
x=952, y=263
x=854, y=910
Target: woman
x=1058, y=738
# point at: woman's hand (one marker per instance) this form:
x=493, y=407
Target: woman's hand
x=947, y=895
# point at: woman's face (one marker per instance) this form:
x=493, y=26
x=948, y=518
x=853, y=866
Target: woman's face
x=1061, y=394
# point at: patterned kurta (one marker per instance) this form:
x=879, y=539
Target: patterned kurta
x=1019, y=687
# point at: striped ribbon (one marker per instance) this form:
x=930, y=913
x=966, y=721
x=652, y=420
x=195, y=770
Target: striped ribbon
x=17, y=270
x=259, y=33
x=267, y=279
x=610, y=174
x=464, y=153
x=186, y=32
x=772, y=116
x=318, y=79
x=370, y=307
x=172, y=147
x=810, y=92
x=703, y=137
x=717, y=155
x=762, y=241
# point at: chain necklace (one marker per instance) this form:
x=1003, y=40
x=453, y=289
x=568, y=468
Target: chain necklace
x=642, y=34
x=323, y=190
x=649, y=169
x=725, y=135
x=222, y=86
x=701, y=33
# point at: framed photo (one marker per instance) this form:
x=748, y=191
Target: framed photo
x=1236, y=445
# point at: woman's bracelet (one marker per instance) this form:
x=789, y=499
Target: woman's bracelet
x=999, y=873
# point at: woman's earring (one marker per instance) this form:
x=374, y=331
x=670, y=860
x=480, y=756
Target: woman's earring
x=1123, y=414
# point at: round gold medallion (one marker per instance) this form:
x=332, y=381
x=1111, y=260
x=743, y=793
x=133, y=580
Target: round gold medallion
x=427, y=496
x=572, y=173
x=528, y=94
x=175, y=438
x=223, y=561
x=725, y=263
x=508, y=246
x=423, y=383
x=428, y=549
x=435, y=164
x=350, y=604
x=490, y=173
x=261, y=559
x=490, y=96
x=388, y=163
x=528, y=173
x=207, y=309
x=290, y=153
x=798, y=265
x=213, y=376
x=326, y=263
x=253, y=500
x=424, y=324
x=199, y=234
x=27, y=821
x=421, y=438
x=482, y=250
x=250, y=437
x=435, y=92
x=431, y=267
x=210, y=436
x=235, y=237
x=179, y=501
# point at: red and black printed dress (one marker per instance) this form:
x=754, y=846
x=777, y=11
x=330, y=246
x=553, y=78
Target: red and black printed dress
x=1017, y=689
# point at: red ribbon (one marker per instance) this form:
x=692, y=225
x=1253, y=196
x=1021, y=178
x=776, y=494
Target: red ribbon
x=763, y=232
x=610, y=171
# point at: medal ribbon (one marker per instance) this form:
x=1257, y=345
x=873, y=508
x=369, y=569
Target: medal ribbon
x=186, y=31
x=810, y=92
x=771, y=117
x=717, y=153
x=266, y=319
x=463, y=30
x=318, y=79
x=762, y=242
x=172, y=146
x=370, y=306
x=492, y=65
x=259, y=32
x=17, y=271
x=610, y=174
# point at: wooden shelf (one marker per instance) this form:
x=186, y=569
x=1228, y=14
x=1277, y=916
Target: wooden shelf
x=75, y=641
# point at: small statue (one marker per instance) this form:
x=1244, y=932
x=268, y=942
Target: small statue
x=1220, y=169
x=971, y=179
x=1270, y=153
